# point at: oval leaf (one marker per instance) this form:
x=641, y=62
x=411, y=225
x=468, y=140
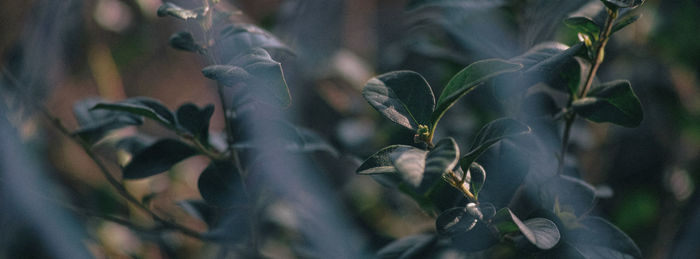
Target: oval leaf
x=410, y=165
x=613, y=102
x=583, y=24
x=219, y=184
x=541, y=232
x=455, y=221
x=476, y=176
x=614, y=4
x=157, y=158
x=195, y=121
x=465, y=81
x=381, y=162
x=95, y=124
x=259, y=71
x=402, y=96
x=573, y=195
x=185, y=41
x=141, y=106
x=561, y=71
x=442, y=158
x=601, y=239
x=625, y=21
x=175, y=11
x=490, y=134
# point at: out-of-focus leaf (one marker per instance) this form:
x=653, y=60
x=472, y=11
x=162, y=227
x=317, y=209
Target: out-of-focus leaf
x=157, y=158
x=257, y=69
x=465, y=81
x=184, y=41
x=442, y=158
x=583, y=24
x=601, y=239
x=561, y=71
x=381, y=162
x=614, y=4
x=573, y=195
x=490, y=134
x=219, y=184
x=176, y=11
x=200, y=210
x=195, y=121
x=406, y=247
x=418, y=4
x=410, y=165
x=141, y=106
x=404, y=97
x=613, y=102
x=240, y=38
x=134, y=144
x=95, y=124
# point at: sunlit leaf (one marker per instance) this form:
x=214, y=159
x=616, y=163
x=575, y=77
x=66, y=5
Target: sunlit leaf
x=465, y=81
x=404, y=97
x=613, y=102
x=176, y=11
x=410, y=165
x=476, y=177
x=141, y=106
x=157, y=158
x=583, y=24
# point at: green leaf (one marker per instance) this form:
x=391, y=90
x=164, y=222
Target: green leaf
x=220, y=184
x=141, y=106
x=410, y=165
x=601, y=239
x=573, y=195
x=561, y=71
x=490, y=134
x=624, y=22
x=455, y=221
x=442, y=158
x=583, y=24
x=381, y=162
x=402, y=96
x=257, y=69
x=95, y=124
x=176, y=11
x=541, y=232
x=239, y=38
x=476, y=176
x=614, y=4
x=465, y=81
x=195, y=121
x=185, y=41
x=157, y=158
x=613, y=102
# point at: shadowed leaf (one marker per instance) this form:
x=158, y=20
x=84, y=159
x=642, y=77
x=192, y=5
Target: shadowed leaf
x=157, y=158
x=402, y=96
x=613, y=102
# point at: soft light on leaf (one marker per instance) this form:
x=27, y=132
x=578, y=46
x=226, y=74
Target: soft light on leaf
x=490, y=134
x=404, y=97
x=176, y=11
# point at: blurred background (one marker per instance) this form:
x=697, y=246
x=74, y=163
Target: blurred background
x=63, y=51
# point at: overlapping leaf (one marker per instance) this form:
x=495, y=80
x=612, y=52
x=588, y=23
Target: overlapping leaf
x=157, y=158
x=490, y=134
x=402, y=96
x=613, y=102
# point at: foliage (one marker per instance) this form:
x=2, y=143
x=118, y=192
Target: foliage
x=476, y=225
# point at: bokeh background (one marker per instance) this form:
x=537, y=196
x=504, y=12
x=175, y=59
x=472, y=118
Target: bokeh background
x=63, y=51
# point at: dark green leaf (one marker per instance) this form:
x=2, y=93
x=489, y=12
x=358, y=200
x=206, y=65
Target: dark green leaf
x=601, y=239
x=175, y=11
x=625, y=21
x=157, y=158
x=195, y=121
x=541, y=232
x=257, y=69
x=442, y=158
x=220, y=184
x=465, y=80
x=490, y=134
x=184, y=41
x=585, y=25
x=402, y=96
x=406, y=247
x=380, y=162
x=561, y=71
x=476, y=176
x=95, y=124
x=142, y=106
x=613, y=102
x=455, y=221
x=410, y=165
x=622, y=3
